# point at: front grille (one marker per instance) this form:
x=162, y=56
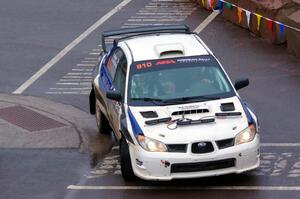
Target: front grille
x=177, y=148
x=202, y=147
x=222, y=144
x=202, y=166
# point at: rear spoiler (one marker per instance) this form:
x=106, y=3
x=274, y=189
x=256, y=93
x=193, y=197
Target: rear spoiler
x=144, y=30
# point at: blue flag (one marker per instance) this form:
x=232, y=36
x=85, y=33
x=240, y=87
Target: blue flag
x=220, y=6
x=281, y=28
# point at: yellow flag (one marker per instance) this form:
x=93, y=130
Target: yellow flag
x=258, y=21
x=203, y=3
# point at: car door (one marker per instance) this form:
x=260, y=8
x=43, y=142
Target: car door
x=106, y=75
x=114, y=107
x=104, y=80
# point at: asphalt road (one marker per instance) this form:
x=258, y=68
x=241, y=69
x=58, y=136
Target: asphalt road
x=33, y=32
x=39, y=174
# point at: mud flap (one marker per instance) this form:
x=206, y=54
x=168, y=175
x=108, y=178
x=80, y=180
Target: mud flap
x=92, y=101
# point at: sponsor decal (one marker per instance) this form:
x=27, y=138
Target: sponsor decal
x=150, y=64
x=147, y=64
x=188, y=107
x=165, y=62
x=193, y=60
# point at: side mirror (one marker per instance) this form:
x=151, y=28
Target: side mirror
x=114, y=95
x=241, y=83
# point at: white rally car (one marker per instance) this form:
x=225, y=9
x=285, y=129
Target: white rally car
x=172, y=106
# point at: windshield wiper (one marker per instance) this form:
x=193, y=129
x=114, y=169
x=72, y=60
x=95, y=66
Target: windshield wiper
x=187, y=99
x=158, y=121
x=147, y=99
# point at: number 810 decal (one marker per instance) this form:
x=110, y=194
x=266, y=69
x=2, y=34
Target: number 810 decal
x=144, y=65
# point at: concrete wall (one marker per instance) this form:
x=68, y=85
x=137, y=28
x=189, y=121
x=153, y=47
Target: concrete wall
x=285, y=11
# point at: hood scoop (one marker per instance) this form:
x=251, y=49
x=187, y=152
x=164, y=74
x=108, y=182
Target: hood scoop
x=227, y=107
x=149, y=114
x=192, y=111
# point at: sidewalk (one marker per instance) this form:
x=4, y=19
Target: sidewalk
x=32, y=122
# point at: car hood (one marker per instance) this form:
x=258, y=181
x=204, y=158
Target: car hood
x=221, y=128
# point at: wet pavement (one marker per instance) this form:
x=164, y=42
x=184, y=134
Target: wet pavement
x=42, y=173
x=60, y=154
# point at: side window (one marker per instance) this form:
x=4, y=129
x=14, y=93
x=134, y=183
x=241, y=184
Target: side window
x=120, y=78
x=113, y=62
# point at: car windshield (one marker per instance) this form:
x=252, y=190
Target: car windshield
x=177, y=80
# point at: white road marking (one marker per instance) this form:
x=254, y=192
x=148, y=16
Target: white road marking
x=115, y=147
x=207, y=21
x=91, y=58
x=156, y=20
x=74, y=83
x=159, y=17
x=77, y=88
x=89, y=61
x=76, y=80
x=85, y=64
x=140, y=24
x=170, y=10
x=94, y=53
x=161, y=13
x=77, y=77
x=80, y=69
x=77, y=73
x=175, y=10
x=179, y=12
x=69, y=93
x=69, y=47
x=229, y=188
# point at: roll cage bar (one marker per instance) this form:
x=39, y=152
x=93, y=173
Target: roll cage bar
x=143, y=30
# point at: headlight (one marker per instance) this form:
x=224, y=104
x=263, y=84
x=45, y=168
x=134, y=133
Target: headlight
x=151, y=145
x=246, y=135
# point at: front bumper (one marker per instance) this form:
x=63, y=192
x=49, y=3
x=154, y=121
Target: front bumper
x=168, y=166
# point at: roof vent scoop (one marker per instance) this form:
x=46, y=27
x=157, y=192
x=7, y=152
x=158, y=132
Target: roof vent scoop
x=169, y=50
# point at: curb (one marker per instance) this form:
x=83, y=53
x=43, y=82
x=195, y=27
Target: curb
x=74, y=130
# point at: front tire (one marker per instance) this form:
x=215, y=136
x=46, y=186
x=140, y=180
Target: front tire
x=126, y=166
x=101, y=121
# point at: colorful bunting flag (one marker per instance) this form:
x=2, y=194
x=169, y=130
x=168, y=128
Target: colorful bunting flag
x=258, y=21
x=228, y=5
x=239, y=14
x=211, y=4
x=281, y=28
x=208, y=3
x=220, y=6
x=248, y=14
x=270, y=25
